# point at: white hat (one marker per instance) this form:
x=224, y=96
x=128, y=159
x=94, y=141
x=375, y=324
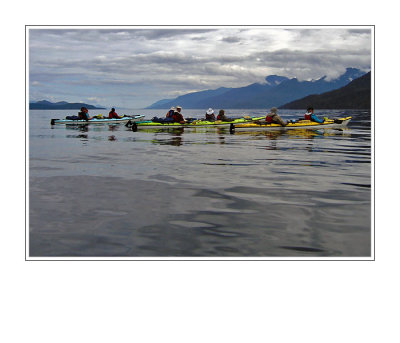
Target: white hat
x=210, y=111
x=178, y=107
x=172, y=108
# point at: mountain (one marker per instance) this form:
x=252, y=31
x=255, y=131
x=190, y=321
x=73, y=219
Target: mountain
x=191, y=100
x=161, y=102
x=275, y=91
x=61, y=105
x=355, y=95
x=239, y=97
x=274, y=80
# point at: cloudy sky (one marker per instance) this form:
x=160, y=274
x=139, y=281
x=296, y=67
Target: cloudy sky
x=134, y=67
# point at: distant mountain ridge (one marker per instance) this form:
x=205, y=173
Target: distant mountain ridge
x=355, y=95
x=61, y=105
x=195, y=99
x=276, y=91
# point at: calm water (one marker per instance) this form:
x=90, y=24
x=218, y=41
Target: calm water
x=105, y=191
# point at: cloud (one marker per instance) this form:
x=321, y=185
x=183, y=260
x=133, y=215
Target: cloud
x=231, y=39
x=95, y=99
x=156, y=63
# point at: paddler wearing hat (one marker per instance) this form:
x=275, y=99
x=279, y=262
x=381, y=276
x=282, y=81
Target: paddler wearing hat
x=210, y=116
x=272, y=117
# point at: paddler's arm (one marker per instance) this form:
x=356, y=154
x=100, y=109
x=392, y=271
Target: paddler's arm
x=316, y=119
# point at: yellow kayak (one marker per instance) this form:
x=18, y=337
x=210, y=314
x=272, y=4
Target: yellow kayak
x=300, y=124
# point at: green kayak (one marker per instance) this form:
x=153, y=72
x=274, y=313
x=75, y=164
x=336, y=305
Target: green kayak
x=196, y=123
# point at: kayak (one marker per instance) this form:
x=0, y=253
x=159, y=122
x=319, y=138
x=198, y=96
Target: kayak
x=95, y=120
x=196, y=123
x=300, y=124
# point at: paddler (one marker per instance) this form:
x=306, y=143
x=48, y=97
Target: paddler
x=210, y=115
x=272, y=117
x=169, y=117
x=84, y=114
x=178, y=117
x=309, y=115
x=112, y=114
x=221, y=116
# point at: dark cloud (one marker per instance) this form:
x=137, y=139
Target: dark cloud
x=122, y=34
x=303, y=33
x=168, y=33
x=231, y=39
x=198, y=38
x=359, y=31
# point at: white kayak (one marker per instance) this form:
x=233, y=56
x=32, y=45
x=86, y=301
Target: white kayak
x=95, y=120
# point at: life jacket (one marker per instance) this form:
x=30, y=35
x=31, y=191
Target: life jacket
x=222, y=117
x=170, y=114
x=113, y=115
x=83, y=115
x=307, y=116
x=269, y=119
x=210, y=117
x=177, y=117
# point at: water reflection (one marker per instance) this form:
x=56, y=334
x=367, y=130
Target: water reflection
x=87, y=127
x=174, y=136
x=82, y=129
x=189, y=136
x=81, y=136
x=296, y=133
x=175, y=140
x=113, y=127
